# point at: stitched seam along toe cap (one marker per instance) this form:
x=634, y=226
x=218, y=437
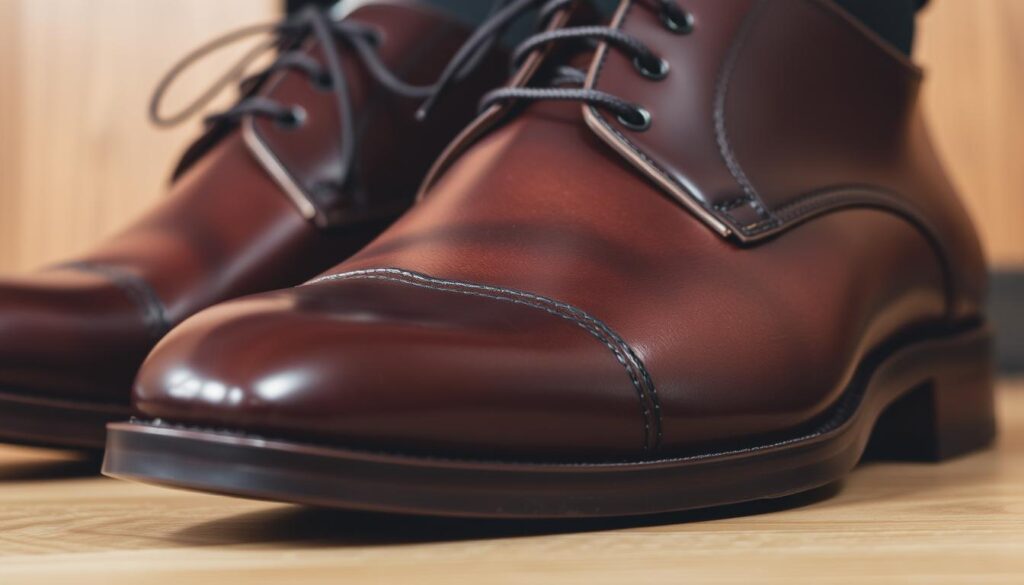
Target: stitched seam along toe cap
x=624, y=354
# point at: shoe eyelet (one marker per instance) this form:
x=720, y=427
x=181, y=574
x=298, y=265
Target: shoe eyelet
x=638, y=125
x=375, y=36
x=656, y=68
x=322, y=81
x=683, y=26
x=294, y=119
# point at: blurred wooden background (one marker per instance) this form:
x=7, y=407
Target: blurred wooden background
x=973, y=51
x=78, y=159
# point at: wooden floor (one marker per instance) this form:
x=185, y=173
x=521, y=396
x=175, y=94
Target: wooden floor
x=961, y=522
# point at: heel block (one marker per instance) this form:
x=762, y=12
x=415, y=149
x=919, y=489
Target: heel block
x=949, y=414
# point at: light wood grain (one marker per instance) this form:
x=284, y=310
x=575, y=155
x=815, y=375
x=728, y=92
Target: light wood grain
x=973, y=51
x=955, y=523
x=10, y=105
x=77, y=156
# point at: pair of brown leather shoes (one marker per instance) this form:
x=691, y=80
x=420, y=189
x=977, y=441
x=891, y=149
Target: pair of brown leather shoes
x=700, y=254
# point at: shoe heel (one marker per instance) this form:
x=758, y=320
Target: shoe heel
x=952, y=413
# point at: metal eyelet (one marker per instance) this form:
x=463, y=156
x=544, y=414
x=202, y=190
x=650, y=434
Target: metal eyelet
x=681, y=23
x=643, y=121
x=322, y=81
x=375, y=36
x=295, y=118
x=655, y=68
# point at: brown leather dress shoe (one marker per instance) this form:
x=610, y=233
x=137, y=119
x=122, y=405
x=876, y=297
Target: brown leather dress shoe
x=320, y=154
x=737, y=267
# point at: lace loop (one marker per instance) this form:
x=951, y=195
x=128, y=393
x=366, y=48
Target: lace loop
x=286, y=37
x=317, y=23
x=619, y=39
x=232, y=75
x=630, y=115
x=503, y=14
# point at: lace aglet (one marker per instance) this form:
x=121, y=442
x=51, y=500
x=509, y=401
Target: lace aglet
x=424, y=110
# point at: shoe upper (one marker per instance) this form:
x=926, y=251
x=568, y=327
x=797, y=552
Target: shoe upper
x=570, y=288
x=255, y=205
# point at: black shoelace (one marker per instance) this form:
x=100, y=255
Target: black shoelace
x=286, y=38
x=631, y=115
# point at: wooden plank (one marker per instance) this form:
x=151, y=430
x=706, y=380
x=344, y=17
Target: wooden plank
x=958, y=522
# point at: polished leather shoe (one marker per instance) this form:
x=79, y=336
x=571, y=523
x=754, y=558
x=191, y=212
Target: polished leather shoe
x=319, y=155
x=734, y=271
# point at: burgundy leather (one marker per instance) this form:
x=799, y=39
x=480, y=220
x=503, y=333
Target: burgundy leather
x=751, y=122
x=80, y=329
x=550, y=299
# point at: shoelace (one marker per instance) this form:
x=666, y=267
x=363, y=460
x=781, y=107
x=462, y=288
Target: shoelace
x=503, y=14
x=287, y=36
x=631, y=115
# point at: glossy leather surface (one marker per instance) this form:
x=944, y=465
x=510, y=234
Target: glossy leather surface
x=80, y=329
x=548, y=300
x=848, y=118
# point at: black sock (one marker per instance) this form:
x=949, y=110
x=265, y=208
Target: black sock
x=893, y=20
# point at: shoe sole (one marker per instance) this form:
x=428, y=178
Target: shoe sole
x=927, y=400
x=51, y=422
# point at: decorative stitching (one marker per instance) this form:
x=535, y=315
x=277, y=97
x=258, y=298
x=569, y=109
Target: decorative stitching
x=657, y=167
x=790, y=213
x=823, y=200
x=623, y=139
x=855, y=196
x=721, y=131
x=624, y=354
x=754, y=227
x=732, y=203
x=771, y=219
x=154, y=313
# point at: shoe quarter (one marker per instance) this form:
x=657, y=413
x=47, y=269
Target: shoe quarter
x=768, y=102
x=776, y=111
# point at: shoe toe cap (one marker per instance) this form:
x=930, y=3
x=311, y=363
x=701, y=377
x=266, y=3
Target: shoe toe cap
x=386, y=364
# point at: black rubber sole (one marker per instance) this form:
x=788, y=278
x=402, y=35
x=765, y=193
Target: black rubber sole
x=927, y=400
x=49, y=422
